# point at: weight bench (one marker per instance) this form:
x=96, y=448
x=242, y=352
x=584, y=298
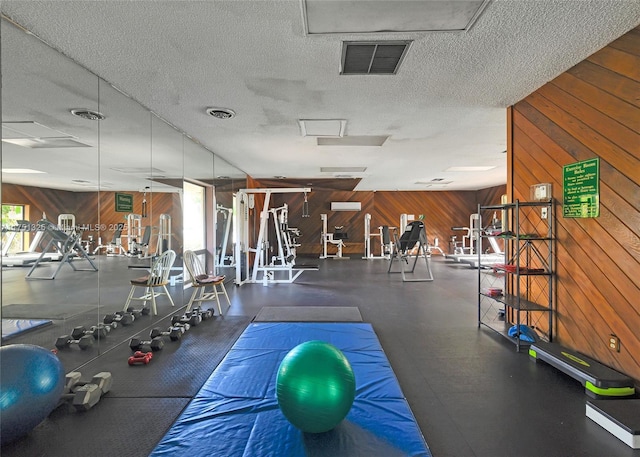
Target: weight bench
x=599, y=380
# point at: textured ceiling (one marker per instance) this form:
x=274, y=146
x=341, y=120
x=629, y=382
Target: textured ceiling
x=445, y=107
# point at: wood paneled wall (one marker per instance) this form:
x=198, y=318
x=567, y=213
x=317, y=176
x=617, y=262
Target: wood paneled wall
x=441, y=210
x=592, y=110
x=95, y=211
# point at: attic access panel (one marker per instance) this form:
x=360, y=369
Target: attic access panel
x=375, y=16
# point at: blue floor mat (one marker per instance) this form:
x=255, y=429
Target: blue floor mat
x=15, y=327
x=236, y=412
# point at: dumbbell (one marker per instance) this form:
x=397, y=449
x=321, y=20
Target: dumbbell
x=204, y=313
x=119, y=317
x=174, y=332
x=97, y=331
x=156, y=344
x=64, y=341
x=191, y=319
x=139, y=312
x=140, y=357
x=85, y=394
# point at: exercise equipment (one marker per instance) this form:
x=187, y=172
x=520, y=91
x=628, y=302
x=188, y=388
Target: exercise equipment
x=599, y=380
x=383, y=238
x=204, y=313
x=121, y=317
x=223, y=259
x=84, y=395
x=67, y=223
x=174, y=333
x=412, y=243
x=621, y=418
x=65, y=341
x=279, y=268
x=137, y=313
x=200, y=281
x=155, y=344
x=187, y=318
x=31, y=380
x=236, y=411
x=67, y=244
x=140, y=358
x=470, y=251
x=97, y=331
x=336, y=238
x=34, y=252
x=114, y=247
x=315, y=386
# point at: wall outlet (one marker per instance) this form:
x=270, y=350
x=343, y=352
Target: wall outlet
x=614, y=343
x=543, y=212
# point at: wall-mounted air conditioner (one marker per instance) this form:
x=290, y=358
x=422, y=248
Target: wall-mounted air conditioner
x=346, y=206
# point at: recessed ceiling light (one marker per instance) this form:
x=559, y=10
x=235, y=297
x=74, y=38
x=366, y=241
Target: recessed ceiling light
x=280, y=177
x=480, y=168
x=223, y=177
x=21, y=170
x=88, y=114
x=221, y=113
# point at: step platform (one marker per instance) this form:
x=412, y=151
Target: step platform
x=599, y=380
x=621, y=418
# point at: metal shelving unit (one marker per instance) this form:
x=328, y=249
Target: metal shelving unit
x=519, y=291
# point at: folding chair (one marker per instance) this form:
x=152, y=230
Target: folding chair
x=200, y=280
x=158, y=277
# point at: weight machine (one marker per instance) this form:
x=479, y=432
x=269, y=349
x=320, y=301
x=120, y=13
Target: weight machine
x=280, y=268
x=383, y=237
x=412, y=243
x=222, y=259
x=337, y=238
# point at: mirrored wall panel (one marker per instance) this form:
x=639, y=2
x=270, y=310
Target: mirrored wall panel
x=99, y=197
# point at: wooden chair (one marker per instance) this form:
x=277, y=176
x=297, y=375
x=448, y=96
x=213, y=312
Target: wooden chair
x=200, y=280
x=157, y=278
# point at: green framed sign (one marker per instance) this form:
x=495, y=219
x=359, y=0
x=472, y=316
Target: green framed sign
x=581, y=189
x=124, y=203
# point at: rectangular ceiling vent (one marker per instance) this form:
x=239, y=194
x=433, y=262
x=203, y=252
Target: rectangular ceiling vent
x=372, y=57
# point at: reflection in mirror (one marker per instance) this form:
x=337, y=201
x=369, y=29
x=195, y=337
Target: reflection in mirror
x=227, y=181
x=198, y=216
x=50, y=180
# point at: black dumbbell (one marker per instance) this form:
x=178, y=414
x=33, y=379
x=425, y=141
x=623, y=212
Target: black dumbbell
x=97, y=331
x=85, y=394
x=120, y=317
x=174, y=333
x=204, y=313
x=155, y=344
x=190, y=318
x=64, y=341
x=139, y=312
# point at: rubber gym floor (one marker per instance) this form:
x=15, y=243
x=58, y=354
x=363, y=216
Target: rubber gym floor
x=472, y=394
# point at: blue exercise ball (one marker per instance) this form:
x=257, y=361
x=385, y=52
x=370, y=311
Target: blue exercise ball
x=315, y=386
x=31, y=383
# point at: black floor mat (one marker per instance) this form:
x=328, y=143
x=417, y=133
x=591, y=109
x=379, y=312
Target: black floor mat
x=41, y=311
x=309, y=314
x=114, y=427
x=191, y=365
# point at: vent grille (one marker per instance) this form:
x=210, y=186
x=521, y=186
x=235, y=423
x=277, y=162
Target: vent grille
x=372, y=58
x=88, y=114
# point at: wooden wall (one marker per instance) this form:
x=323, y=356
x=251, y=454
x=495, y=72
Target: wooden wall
x=441, y=209
x=95, y=211
x=592, y=110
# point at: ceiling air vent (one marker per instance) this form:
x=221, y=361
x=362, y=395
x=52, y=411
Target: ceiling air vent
x=88, y=114
x=221, y=113
x=372, y=57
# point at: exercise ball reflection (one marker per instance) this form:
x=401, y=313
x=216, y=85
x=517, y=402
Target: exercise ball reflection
x=315, y=386
x=31, y=382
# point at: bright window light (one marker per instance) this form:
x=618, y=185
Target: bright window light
x=21, y=170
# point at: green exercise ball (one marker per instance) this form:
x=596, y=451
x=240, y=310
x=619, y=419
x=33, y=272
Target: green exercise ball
x=315, y=386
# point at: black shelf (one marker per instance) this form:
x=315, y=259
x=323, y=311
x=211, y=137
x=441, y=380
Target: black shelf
x=528, y=241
